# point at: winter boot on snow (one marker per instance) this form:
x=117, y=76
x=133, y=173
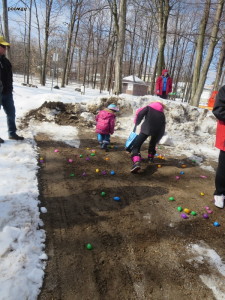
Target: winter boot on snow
x=136, y=164
x=219, y=200
x=150, y=158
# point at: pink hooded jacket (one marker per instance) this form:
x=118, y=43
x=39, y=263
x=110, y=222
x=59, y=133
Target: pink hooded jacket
x=105, y=122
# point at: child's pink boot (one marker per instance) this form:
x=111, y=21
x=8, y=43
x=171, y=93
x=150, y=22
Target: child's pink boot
x=136, y=164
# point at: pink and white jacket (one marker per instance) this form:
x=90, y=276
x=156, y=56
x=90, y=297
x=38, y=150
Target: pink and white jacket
x=105, y=121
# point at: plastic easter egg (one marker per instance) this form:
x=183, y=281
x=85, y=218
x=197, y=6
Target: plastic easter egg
x=103, y=194
x=70, y=160
x=184, y=216
x=88, y=148
x=87, y=158
x=97, y=170
x=93, y=150
x=187, y=211
x=84, y=174
x=159, y=166
x=216, y=224
x=156, y=155
x=116, y=198
x=163, y=157
x=72, y=175
x=92, y=154
x=177, y=177
x=207, y=207
x=171, y=199
x=41, y=161
x=209, y=211
x=81, y=155
x=205, y=216
x=179, y=208
x=193, y=213
x=89, y=246
x=112, y=173
x=203, y=176
x=183, y=166
x=202, y=194
x=56, y=150
x=104, y=172
x=106, y=158
x=181, y=172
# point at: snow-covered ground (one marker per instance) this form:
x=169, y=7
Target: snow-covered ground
x=190, y=131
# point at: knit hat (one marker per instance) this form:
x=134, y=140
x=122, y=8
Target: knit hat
x=157, y=106
x=113, y=107
x=3, y=42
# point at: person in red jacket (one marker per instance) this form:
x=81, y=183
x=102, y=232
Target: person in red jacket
x=219, y=112
x=163, y=85
x=105, y=125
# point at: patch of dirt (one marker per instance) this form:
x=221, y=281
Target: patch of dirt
x=139, y=243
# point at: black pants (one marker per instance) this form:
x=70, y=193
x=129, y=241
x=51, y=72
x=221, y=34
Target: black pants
x=163, y=96
x=220, y=175
x=140, y=140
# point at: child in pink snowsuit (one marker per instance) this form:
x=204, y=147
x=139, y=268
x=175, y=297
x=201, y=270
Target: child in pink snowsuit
x=105, y=125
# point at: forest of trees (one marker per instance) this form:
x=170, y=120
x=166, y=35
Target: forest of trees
x=99, y=42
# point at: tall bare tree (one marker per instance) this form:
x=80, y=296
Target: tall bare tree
x=120, y=26
x=200, y=47
x=48, y=10
x=212, y=43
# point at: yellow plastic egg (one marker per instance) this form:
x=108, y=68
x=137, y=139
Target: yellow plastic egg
x=97, y=170
x=106, y=158
x=187, y=210
x=183, y=166
x=202, y=194
x=159, y=166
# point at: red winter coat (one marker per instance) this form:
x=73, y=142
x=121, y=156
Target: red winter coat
x=105, y=122
x=159, y=84
x=219, y=112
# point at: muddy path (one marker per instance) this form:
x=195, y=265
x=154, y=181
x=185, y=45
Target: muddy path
x=140, y=242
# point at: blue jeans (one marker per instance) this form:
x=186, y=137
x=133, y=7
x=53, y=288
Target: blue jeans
x=9, y=108
x=103, y=138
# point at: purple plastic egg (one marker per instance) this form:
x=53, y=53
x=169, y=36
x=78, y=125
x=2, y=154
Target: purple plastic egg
x=184, y=216
x=205, y=216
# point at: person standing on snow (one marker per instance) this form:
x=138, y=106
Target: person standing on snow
x=163, y=85
x=154, y=126
x=219, y=112
x=7, y=88
x=105, y=125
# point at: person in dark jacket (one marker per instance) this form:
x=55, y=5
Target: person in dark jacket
x=7, y=89
x=219, y=112
x=153, y=125
x=163, y=85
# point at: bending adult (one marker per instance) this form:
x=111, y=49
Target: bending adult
x=7, y=89
x=163, y=85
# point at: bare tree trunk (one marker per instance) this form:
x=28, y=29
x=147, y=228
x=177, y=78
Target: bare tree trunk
x=28, y=45
x=47, y=30
x=199, y=48
x=220, y=65
x=6, y=24
x=120, y=22
x=39, y=39
x=163, y=15
x=69, y=40
x=213, y=41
